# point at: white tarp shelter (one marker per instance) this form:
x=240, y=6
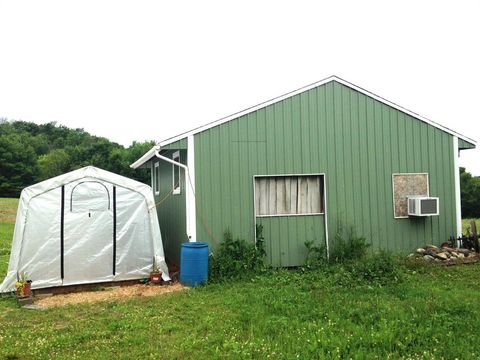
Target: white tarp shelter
x=86, y=226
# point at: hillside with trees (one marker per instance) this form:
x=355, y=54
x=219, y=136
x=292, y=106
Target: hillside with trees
x=30, y=153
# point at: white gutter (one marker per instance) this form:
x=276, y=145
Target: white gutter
x=145, y=157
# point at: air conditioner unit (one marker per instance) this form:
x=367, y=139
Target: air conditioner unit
x=422, y=206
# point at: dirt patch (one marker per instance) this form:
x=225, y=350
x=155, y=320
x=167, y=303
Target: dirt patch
x=108, y=294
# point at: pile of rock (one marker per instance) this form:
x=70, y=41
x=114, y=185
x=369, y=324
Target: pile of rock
x=442, y=254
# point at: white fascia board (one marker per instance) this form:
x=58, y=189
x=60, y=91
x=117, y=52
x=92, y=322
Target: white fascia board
x=306, y=88
x=145, y=157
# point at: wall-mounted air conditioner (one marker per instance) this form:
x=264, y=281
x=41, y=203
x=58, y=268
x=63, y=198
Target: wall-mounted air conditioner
x=422, y=206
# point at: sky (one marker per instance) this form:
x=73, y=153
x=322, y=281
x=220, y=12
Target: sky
x=149, y=70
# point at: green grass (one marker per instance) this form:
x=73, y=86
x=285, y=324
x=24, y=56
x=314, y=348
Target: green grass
x=466, y=225
x=433, y=313
x=287, y=314
x=8, y=209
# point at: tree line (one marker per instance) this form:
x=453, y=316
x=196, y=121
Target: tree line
x=470, y=189
x=30, y=153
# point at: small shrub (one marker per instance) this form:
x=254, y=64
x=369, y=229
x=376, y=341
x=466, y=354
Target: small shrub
x=348, y=246
x=316, y=255
x=235, y=259
x=380, y=268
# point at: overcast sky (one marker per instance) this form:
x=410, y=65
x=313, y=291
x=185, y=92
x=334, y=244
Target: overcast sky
x=141, y=70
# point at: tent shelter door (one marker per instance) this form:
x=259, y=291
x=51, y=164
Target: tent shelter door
x=88, y=234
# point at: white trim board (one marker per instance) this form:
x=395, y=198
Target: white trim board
x=458, y=204
x=303, y=89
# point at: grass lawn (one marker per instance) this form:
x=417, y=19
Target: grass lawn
x=8, y=209
x=432, y=313
x=466, y=225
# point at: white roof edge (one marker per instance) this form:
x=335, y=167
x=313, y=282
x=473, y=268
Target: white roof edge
x=303, y=89
x=145, y=157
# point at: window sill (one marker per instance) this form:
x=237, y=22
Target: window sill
x=285, y=215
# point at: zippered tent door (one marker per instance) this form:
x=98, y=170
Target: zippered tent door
x=88, y=233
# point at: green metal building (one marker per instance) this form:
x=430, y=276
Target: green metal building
x=301, y=164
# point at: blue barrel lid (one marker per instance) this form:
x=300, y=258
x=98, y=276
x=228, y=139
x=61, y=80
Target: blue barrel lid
x=195, y=244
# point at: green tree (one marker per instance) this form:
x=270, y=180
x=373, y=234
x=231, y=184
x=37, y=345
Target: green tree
x=18, y=164
x=31, y=153
x=56, y=162
x=470, y=194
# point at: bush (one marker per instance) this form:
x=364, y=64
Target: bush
x=316, y=255
x=234, y=259
x=348, y=246
x=380, y=268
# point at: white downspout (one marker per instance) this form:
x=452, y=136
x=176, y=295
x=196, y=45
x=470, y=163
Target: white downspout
x=458, y=204
x=189, y=195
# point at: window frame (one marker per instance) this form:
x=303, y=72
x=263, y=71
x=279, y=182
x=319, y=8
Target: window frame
x=156, y=178
x=176, y=190
x=324, y=197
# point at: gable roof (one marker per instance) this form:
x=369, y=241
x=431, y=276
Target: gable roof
x=303, y=89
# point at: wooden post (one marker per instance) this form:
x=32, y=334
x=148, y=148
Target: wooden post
x=473, y=226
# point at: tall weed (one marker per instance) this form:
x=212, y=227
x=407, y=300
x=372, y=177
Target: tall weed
x=234, y=259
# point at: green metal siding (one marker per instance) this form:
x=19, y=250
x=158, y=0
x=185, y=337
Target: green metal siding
x=285, y=237
x=171, y=209
x=180, y=144
x=358, y=142
x=464, y=145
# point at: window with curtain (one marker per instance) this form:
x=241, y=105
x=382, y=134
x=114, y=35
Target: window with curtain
x=289, y=195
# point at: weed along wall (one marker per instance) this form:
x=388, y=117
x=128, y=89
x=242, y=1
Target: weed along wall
x=305, y=162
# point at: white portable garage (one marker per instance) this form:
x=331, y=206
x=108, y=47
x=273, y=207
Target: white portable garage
x=86, y=226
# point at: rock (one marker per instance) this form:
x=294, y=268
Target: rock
x=453, y=254
x=442, y=256
x=463, y=251
x=460, y=256
x=420, y=251
x=411, y=255
x=431, y=249
x=428, y=257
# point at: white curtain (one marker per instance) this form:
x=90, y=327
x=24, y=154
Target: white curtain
x=289, y=195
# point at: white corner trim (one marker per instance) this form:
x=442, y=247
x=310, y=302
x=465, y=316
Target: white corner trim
x=190, y=188
x=458, y=204
x=327, y=244
x=306, y=88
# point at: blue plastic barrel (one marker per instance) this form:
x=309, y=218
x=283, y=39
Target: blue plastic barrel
x=194, y=263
